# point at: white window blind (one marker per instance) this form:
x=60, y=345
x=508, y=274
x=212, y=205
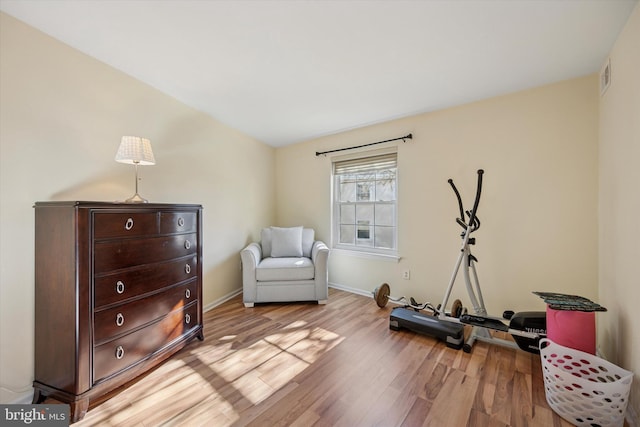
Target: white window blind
x=374, y=163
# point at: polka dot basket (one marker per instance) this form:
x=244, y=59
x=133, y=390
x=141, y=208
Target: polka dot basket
x=582, y=388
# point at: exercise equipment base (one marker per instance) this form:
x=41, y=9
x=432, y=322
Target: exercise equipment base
x=451, y=333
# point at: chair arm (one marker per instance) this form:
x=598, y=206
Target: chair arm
x=250, y=256
x=319, y=252
x=320, y=258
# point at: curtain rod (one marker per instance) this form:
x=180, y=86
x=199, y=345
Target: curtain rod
x=320, y=153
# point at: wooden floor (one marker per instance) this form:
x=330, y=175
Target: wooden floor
x=334, y=365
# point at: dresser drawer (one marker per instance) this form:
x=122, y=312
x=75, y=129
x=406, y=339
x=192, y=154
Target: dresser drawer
x=126, y=284
x=178, y=222
x=116, y=254
x=116, y=355
x=126, y=317
x=124, y=224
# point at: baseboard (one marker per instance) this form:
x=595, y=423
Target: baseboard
x=352, y=290
x=22, y=397
x=359, y=292
x=227, y=297
x=219, y=301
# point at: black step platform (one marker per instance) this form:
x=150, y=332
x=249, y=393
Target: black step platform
x=451, y=333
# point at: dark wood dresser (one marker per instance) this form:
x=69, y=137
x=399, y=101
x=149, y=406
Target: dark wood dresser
x=118, y=289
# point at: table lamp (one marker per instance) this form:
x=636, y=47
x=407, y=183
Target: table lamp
x=135, y=151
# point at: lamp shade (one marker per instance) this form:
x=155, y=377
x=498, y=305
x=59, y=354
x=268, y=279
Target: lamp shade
x=135, y=151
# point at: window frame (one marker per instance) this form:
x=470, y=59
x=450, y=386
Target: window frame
x=361, y=160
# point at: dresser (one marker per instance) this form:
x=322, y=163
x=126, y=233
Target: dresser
x=118, y=289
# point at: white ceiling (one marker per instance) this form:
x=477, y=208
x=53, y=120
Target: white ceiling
x=288, y=71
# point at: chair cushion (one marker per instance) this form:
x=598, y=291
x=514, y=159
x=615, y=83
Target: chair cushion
x=286, y=242
x=265, y=242
x=308, y=237
x=284, y=268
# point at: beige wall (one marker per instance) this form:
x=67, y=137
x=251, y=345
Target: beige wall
x=538, y=208
x=62, y=115
x=619, y=207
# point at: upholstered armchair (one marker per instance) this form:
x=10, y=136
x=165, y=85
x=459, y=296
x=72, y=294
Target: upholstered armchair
x=287, y=265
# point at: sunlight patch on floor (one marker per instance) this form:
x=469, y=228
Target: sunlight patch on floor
x=260, y=369
x=236, y=375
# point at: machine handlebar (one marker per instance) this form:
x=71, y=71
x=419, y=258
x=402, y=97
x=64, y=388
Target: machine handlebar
x=477, y=200
x=460, y=220
x=473, y=220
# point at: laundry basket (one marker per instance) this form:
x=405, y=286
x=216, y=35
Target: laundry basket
x=582, y=388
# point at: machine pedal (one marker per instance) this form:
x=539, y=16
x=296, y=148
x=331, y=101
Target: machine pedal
x=483, y=322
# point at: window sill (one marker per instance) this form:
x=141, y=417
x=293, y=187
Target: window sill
x=366, y=255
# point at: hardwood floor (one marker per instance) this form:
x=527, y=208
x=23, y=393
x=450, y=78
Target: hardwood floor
x=333, y=365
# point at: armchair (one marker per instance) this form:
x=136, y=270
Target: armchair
x=287, y=265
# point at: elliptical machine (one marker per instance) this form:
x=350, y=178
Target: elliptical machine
x=526, y=328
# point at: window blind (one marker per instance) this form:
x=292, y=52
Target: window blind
x=373, y=163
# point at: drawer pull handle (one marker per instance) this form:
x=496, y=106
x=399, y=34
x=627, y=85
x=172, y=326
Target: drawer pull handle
x=129, y=224
x=119, y=352
x=180, y=222
x=187, y=318
x=187, y=244
x=187, y=268
x=120, y=287
x=187, y=293
x=119, y=319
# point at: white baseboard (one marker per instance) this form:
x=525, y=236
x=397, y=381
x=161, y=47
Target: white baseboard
x=219, y=301
x=350, y=289
x=359, y=292
x=227, y=297
x=21, y=397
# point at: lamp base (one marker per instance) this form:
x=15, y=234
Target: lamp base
x=136, y=198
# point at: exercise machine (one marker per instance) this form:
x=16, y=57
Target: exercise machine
x=526, y=328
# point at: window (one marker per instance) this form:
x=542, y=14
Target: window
x=365, y=204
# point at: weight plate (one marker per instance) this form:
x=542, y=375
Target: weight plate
x=381, y=295
x=456, y=308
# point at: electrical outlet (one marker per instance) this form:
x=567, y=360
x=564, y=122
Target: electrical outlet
x=406, y=274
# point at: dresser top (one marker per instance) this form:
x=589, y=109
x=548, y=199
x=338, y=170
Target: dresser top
x=118, y=205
